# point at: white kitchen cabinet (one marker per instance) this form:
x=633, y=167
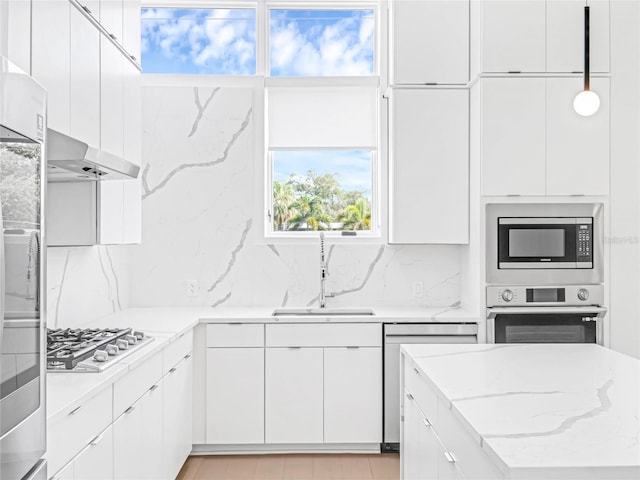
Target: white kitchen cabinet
x=127, y=441
x=430, y=41
x=538, y=36
x=66, y=473
x=111, y=12
x=177, y=416
x=131, y=28
x=95, y=462
x=577, y=147
x=15, y=41
x=50, y=58
x=565, y=35
x=512, y=118
x=533, y=142
x=429, y=166
x=419, y=443
x=111, y=98
x=235, y=395
x=84, y=107
x=293, y=395
x=352, y=395
x=512, y=35
x=151, y=411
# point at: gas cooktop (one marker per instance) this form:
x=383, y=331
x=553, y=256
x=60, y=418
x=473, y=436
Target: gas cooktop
x=90, y=349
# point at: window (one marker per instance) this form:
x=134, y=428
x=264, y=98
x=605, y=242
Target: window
x=204, y=41
x=321, y=42
x=315, y=64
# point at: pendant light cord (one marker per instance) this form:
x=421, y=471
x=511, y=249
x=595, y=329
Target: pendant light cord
x=586, y=48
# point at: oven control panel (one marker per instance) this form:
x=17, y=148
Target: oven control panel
x=525, y=295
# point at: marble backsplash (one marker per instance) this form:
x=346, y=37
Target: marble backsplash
x=199, y=207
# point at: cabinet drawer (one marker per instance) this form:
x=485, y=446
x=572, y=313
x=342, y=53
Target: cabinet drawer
x=464, y=446
x=426, y=397
x=324, y=335
x=133, y=385
x=176, y=351
x=235, y=335
x=74, y=428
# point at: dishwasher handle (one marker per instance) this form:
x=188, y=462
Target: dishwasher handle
x=425, y=329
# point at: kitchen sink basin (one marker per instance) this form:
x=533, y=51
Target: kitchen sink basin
x=315, y=311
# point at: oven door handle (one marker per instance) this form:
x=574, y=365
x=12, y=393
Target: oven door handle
x=587, y=311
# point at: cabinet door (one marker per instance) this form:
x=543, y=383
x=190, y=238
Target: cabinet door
x=513, y=136
x=111, y=12
x=152, y=434
x=352, y=395
x=66, y=473
x=111, y=98
x=293, y=395
x=421, y=29
x=95, y=462
x=577, y=147
x=50, y=58
x=84, y=109
x=15, y=44
x=235, y=395
x=111, y=208
x=127, y=441
x=177, y=417
x=513, y=36
x=132, y=149
x=565, y=35
x=419, y=445
x=429, y=168
x=131, y=28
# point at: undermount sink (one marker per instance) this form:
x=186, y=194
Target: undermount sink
x=315, y=311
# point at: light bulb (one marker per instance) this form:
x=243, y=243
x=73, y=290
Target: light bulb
x=586, y=103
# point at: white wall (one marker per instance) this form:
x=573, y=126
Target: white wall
x=200, y=222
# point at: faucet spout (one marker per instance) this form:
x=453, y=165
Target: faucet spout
x=323, y=273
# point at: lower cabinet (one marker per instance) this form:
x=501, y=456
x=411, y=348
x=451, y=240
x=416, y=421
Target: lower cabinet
x=177, y=416
x=235, y=395
x=440, y=447
x=150, y=436
x=293, y=395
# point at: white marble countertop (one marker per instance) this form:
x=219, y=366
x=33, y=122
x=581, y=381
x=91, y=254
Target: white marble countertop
x=66, y=390
x=560, y=409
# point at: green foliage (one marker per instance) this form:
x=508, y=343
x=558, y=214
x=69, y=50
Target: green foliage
x=317, y=202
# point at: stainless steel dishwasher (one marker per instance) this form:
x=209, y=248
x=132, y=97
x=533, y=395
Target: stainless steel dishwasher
x=396, y=334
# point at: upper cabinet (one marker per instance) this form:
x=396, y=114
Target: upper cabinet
x=430, y=42
x=534, y=143
x=15, y=41
x=538, y=36
x=429, y=166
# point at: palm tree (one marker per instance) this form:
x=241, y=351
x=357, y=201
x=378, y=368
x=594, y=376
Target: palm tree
x=310, y=215
x=283, y=201
x=356, y=217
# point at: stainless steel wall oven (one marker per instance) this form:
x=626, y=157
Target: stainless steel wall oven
x=22, y=322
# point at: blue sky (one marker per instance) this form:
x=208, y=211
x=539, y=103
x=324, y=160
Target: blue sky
x=353, y=168
x=223, y=41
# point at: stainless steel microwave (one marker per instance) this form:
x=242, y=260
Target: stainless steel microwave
x=544, y=243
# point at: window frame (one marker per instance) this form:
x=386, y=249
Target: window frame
x=263, y=181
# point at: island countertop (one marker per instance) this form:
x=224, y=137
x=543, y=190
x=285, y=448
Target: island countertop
x=542, y=410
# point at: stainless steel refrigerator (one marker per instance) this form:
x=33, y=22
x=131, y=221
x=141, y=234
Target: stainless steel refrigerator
x=22, y=318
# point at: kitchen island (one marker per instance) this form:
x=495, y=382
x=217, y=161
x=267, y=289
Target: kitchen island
x=552, y=411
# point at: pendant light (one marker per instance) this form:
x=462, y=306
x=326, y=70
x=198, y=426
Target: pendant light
x=586, y=102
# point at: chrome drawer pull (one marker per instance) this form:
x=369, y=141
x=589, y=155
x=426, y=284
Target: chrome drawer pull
x=294, y=348
x=129, y=410
x=76, y=410
x=450, y=458
x=409, y=396
x=96, y=440
x=426, y=422
x=353, y=347
x=417, y=371
x=173, y=370
x=154, y=387
x=188, y=355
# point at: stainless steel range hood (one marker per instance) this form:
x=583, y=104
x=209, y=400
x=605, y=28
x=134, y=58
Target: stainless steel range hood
x=69, y=159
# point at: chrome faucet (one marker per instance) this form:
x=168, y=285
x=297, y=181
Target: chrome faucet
x=323, y=272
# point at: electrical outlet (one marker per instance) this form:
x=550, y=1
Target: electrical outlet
x=192, y=288
x=418, y=289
